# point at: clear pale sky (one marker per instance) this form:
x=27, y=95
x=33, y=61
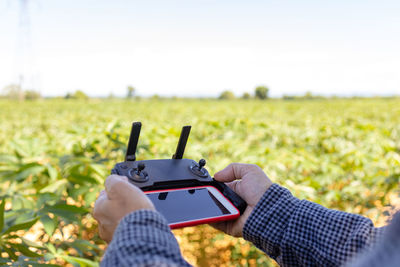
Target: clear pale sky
x=200, y=48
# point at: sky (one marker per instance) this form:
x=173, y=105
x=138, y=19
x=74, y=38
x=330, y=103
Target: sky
x=200, y=48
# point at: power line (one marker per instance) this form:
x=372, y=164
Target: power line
x=24, y=50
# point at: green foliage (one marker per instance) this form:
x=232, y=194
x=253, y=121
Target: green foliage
x=14, y=91
x=227, y=95
x=79, y=94
x=307, y=96
x=130, y=91
x=32, y=95
x=261, y=92
x=11, y=243
x=246, y=96
x=55, y=155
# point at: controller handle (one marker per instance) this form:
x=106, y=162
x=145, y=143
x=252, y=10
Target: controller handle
x=236, y=200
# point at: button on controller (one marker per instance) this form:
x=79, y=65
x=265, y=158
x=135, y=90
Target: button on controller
x=137, y=174
x=198, y=169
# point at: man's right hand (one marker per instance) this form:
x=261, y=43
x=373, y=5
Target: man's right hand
x=250, y=183
x=119, y=198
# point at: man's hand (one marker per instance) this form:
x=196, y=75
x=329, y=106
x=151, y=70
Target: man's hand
x=250, y=183
x=119, y=199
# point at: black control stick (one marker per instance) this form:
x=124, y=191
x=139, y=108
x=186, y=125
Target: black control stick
x=140, y=167
x=202, y=163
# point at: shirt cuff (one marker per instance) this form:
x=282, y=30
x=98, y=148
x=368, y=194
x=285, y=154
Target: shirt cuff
x=143, y=238
x=266, y=224
x=145, y=218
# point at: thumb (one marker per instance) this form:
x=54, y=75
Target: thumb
x=117, y=186
x=232, y=172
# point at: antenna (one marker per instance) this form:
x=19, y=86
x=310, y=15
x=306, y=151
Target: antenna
x=180, y=149
x=24, y=57
x=133, y=141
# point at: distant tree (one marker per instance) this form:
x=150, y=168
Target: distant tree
x=308, y=95
x=288, y=97
x=246, y=95
x=13, y=91
x=77, y=95
x=111, y=95
x=261, y=92
x=227, y=95
x=32, y=95
x=130, y=91
x=80, y=95
x=155, y=97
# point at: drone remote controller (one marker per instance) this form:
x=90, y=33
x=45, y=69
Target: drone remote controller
x=173, y=173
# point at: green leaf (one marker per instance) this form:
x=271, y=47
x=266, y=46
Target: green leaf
x=83, y=246
x=46, y=198
x=81, y=179
x=90, y=197
x=24, y=250
x=99, y=169
x=21, y=202
x=66, y=211
x=31, y=243
x=78, y=191
x=25, y=215
x=79, y=261
x=10, y=253
x=21, y=226
x=9, y=159
x=49, y=224
x=51, y=248
x=55, y=187
x=44, y=265
x=2, y=206
x=53, y=174
x=69, y=208
x=25, y=172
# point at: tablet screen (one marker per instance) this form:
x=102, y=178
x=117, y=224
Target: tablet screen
x=187, y=204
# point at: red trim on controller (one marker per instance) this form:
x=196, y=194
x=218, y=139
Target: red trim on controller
x=200, y=221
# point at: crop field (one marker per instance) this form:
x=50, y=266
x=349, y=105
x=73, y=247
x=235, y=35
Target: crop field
x=55, y=155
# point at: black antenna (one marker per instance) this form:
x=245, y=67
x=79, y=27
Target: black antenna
x=180, y=149
x=133, y=141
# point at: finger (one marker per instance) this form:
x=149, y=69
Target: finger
x=104, y=233
x=113, y=179
x=117, y=186
x=232, y=172
x=125, y=178
x=98, y=205
x=233, y=185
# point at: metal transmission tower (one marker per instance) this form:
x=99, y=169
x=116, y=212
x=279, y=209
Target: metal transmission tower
x=24, y=51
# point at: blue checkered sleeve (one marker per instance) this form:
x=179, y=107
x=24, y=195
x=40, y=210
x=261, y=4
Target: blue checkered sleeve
x=301, y=233
x=143, y=238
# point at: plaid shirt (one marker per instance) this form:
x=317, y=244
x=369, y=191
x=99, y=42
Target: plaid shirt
x=293, y=232
x=301, y=233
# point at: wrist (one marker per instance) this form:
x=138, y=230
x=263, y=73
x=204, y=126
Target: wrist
x=268, y=220
x=143, y=216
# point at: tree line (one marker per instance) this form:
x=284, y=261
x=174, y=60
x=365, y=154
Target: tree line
x=261, y=92
x=15, y=92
